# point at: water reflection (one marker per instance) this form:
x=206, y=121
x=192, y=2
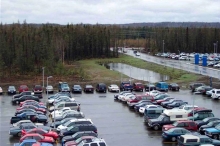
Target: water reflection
x=137, y=73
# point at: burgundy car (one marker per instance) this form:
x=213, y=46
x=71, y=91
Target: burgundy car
x=88, y=88
x=187, y=124
x=22, y=88
x=138, y=87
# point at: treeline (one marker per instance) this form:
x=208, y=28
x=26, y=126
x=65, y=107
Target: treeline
x=27, y=48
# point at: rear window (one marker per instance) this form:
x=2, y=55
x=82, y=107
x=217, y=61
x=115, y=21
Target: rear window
x=102, y=144
x=191, y=140
x=83, y=122
x=153, y=111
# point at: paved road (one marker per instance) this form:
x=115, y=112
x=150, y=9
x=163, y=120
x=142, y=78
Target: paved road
x=184, y=65
x=118, y=125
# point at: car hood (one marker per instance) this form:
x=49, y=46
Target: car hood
x=65, y=138
x=212, y=130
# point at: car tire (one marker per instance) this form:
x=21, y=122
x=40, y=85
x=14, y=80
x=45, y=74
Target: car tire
x=156, y=127
x=19, y=134
x=173, y=139
x=216, y=137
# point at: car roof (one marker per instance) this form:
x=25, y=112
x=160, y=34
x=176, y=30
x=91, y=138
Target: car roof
x=30, y=140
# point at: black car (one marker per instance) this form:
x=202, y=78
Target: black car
x=101, y=87
x=175, y=104
x=77, y=128
x=206, y=121
x=149, y=86
x=174, y=86
x=209, y=125
x=76, y=89
x=78, y=135
x=58, y=123
x=88, y=89
x=28, y=110
x=11, y=90
x=25, y=97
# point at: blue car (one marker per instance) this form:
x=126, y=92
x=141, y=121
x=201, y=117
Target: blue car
x=173, y=133
x=213, y=132
x=29, y=142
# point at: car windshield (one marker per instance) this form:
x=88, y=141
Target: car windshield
x=78, y=140
x=210, y=123
x=11, y=87
x=218, y=127
x=175, y=124
x=160, y=118
x=67, y=123
x=63, y=121
x=76, y=86
x=69, y=128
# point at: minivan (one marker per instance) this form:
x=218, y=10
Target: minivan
x=152, y=113
x=101, y=87
x=77, y=128
x=72, y=104
x=162, y=86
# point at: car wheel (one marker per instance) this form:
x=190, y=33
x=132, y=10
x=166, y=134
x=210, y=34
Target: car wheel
x=156, y=127
x=19, y=134
x=173, y=139
x=215, y=137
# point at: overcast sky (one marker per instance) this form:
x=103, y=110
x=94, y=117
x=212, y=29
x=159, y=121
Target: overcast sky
x=109, y=11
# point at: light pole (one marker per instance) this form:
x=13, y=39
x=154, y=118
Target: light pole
x=214, y=47
x=163, y=53
x=43, y=76
x=47, y=83
x=217, y=47
x=130, y=74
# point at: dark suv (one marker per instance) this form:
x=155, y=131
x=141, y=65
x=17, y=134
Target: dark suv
x=101, y=87
x=193, y=86
x=77, y=128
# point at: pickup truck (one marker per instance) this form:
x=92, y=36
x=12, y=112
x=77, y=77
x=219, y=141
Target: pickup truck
x=29, y=116
x=17, y=130
x=32, y=142
x=126, y=86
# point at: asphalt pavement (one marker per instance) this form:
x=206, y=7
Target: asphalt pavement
x=116, y=123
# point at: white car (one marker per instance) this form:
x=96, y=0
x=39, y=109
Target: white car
x=59, y=112
x=125, y=94
x=25, y=121
x=1, y=90
x=215, y=94
x=153, y=93
x=113, y=88
x=59, y=98
x=142, y=109
x=73, y=122
x=217, y=65
x=127, y=97
x=64, y=113
x=49, y=89
x=209, y=93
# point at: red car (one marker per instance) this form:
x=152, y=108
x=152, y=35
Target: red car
x=31, y=102
x=187, y=124
x=23, y=88
x=38, y=138
x=138, y=87
x=138, y=98
x=199, y=109
x=75, y=143
x=41, y=132
x=32, y=107
x=162, y=100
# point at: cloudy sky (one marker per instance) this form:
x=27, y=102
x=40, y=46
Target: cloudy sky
x=109, y=11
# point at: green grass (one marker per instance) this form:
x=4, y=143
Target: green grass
x=95, y=71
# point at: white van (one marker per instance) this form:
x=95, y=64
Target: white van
x=176, y=114
x=215, y=94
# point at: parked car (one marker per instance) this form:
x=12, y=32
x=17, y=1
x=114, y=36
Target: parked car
x=201, y=116
x=88, y=88
x=206, y=121
x=142, y=104
x=209, y=125
x=162, y=86
x=215, y=94
x=193, y=86
x=59, y=112
x=78, y=115
x=77, y=128
x=209, y=93
x=76, y=142
x=113, y=88
x=32, y=142
x=213, y=132
x=38, y=137
x=153, y=93
x=163, y=100
x=36, y=108
x=25, y=97
x=101, y=87
x=76, y=89
x=37, y=89
x=188, y=107
x=175, y=104
x=32, y=102
x=173, y=133
x=203, y=89
x=165, y=103
x=159, y=97
x=126, y=86
x=138, y=87
x=199, y=110
x=147, y=106
x=22, y=88
x=72, y=104
x=121, y=93
x=174, y=86
x=25, y=121
x=63, y=87
x=132, y=102
x=93, y=142
x=78, y=135
x=42, y=132
x=187, y=124
x=57, y=123
x=28, y=110
x=11, y=90
x=23, y=93
x=149, y=86
x=49, y=89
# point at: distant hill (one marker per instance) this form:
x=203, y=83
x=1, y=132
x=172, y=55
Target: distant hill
x=151, y=24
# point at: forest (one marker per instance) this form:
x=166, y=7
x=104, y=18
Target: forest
x=27, y=48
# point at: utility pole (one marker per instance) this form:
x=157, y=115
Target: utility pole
x=217, y=47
